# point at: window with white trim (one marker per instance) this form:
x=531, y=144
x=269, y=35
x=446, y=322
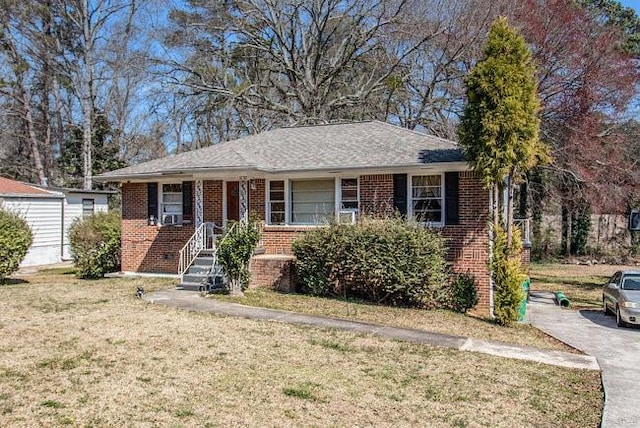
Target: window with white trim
x=427, y=198
x=348, y=210
x=171, y=203
x=277, y=202
x=312, y=201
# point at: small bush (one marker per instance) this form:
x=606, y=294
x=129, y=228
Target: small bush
x=95, y=244
x=15, y=240
x=508, y=276
x=388, y=261
x=235, y=252
x=463, y=293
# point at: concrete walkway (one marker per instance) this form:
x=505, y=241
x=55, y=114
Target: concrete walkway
x=192, y=301
x=616, y=349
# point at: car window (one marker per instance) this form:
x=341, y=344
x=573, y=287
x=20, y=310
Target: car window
x=631, y=283
x=615, y=279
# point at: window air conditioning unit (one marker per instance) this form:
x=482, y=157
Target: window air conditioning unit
x=170, y=219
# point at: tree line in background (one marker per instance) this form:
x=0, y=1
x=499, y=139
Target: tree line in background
x=92, y=85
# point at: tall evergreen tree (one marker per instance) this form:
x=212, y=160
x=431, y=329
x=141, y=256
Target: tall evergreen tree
x=500, y=125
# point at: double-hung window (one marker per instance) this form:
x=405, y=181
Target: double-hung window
x=348, y=200
x=427, y=198
x=277, y=202
x=171, y=203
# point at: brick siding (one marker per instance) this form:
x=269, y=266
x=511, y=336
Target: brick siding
x=273, y=271
x=468, y=241
x=376, y=194
x=257, y=198
x=148, y=248
x=212, y=201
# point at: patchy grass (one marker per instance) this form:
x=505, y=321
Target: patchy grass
x=581, y=284
x=439, y=321
x=106, y=358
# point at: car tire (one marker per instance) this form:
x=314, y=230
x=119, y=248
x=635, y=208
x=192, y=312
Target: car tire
x=619, y=320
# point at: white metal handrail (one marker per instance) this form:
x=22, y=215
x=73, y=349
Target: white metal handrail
x=203, y=239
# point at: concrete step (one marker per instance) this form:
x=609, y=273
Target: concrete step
x=198, y=269
x=203, y=261
x=191, y=286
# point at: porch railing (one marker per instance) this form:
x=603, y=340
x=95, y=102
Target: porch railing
x=524, y=226
x=203, y=239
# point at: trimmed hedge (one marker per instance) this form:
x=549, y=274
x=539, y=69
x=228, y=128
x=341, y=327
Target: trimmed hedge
x=463, y=293
x=388, y=261
x=95, y=244
x=15, y=240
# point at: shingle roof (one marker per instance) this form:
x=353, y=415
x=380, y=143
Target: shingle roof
x=356, y=145
x=15, y=188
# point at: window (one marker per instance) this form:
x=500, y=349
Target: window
x=312, y=201
x=348, y=200
x=277, y=212
x=88, y=207
x=171, y=203
x=426, y=198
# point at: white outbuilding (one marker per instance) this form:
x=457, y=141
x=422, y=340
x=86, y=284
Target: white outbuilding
x=50, y=212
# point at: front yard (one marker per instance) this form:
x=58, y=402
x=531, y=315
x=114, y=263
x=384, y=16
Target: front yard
x=89, y=353
x=581, y=284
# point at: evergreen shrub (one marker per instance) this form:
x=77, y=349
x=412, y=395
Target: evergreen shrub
x=15, y=240
x=508, y=276
x=95, y=244
x=389, y=261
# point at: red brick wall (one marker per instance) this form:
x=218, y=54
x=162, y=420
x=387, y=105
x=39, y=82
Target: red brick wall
x=257, y=197
x=278, y=239
x=376, y=194
x=148, y=248
x=272, y=271
x=212, y=201
x=468, y=242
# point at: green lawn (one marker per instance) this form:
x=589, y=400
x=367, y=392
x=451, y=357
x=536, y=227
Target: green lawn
x=88, y=353
x=581, y=284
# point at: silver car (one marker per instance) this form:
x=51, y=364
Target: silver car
x=621, y=296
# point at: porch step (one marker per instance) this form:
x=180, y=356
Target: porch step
x=203, y=261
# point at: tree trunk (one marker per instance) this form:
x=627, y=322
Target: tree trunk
x=87, y=99
x=33, y=139
x=509, y=207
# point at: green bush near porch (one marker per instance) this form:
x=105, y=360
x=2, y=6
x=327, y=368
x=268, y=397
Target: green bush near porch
x=388, y=261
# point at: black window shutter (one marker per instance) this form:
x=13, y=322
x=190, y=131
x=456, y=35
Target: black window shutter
x=400, y=194
x=452, y=197
x=152, y=203
x=187, y=201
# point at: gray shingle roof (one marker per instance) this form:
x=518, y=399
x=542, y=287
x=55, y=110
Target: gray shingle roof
x=360, y=145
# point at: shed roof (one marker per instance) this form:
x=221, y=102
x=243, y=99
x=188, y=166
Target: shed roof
x=14, y=188
x=357, y=145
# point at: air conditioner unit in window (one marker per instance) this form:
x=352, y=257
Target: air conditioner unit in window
x=348, y=216
x=170, y=219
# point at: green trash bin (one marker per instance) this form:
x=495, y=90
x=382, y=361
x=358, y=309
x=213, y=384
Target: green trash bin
x=522, y=309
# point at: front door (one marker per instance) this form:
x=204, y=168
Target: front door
x=233, y=200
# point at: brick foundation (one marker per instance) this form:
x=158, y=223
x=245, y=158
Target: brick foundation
x=273, y=271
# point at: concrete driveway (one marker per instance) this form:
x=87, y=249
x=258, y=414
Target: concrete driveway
x=616, y=349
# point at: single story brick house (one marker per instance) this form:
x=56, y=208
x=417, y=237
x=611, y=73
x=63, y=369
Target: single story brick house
x=296, y=178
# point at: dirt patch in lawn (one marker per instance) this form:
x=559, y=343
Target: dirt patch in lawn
x=89, y=353
x=582, y=284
